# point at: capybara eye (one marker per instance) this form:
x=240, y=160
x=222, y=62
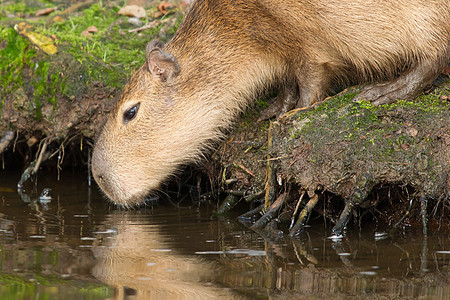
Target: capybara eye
x=130, y=113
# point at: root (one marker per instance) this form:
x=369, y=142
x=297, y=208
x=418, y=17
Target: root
x=423, y=212
x=253, y=197
x=250, y=214
x=33, y=167
x=229, y=202
x=270, y=177
x=296, y=209
x=6, y=140
x=396, y=225
x=295, y=230
x=339, y=227
x=89, y=167
x=270, y=214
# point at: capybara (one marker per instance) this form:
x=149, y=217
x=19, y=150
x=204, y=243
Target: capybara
x=226, y=52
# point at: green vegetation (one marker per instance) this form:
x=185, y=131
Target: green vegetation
x=109, y=55
x=23, y=8
x=380, y=132
x=28, y=280
x=15, y=56
x=49, y=287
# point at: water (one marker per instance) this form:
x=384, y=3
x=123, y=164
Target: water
x=78, y=246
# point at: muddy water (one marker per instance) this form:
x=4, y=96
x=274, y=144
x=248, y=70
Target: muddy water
x=77, y=246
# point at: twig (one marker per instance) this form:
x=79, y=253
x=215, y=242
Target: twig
x=39, y=160
x=76, y=7
x=245, y=169
x=405, y=215
x=148, y=26
x=296, y=209
x=268, y=186
x=66, y=141
x=275, y=158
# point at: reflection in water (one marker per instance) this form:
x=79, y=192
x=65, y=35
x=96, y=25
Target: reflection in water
x=77, y=246
x=137, y=260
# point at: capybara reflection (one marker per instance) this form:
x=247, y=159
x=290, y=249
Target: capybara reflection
x=226, y=52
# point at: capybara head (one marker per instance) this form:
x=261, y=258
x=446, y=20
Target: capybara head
x=149, y=132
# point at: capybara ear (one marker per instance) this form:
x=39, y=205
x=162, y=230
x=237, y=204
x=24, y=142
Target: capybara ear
x=162, y=65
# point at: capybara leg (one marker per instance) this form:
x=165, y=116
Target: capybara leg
x=311, y=87
x=313, y=84
x=284, y=102
x=406, y=87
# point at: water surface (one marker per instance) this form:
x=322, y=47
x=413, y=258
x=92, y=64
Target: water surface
x=78, y=246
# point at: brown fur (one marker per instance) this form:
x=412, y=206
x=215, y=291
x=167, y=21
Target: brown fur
x=225, y=52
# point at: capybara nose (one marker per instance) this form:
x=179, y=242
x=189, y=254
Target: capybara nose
x=96, y=169
x=99, y=179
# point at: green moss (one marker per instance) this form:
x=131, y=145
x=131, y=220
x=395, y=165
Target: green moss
x=338, y=112
x=378, y=132
x=15, y=56
x=109, y=55
x=120, y=51
x=21, y=8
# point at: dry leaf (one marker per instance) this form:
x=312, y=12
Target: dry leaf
x=42, y=41
x=404, y=146
x=86, y=33
x=412, y=131
x=45, y=11
x=22, y=27
x=165, y=6
x=57, y=19
x=92, y=29
x=133, y=11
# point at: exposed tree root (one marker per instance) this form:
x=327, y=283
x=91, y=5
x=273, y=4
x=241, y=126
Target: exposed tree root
x=270, y=176
x=227, y=204
x=423, y=212
x=405, y=215
x=6, y=139
x=270, y=214
x=339, y=227
x=33, y=167
x=297, y=206
x=350, y=150
x=304, y=214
